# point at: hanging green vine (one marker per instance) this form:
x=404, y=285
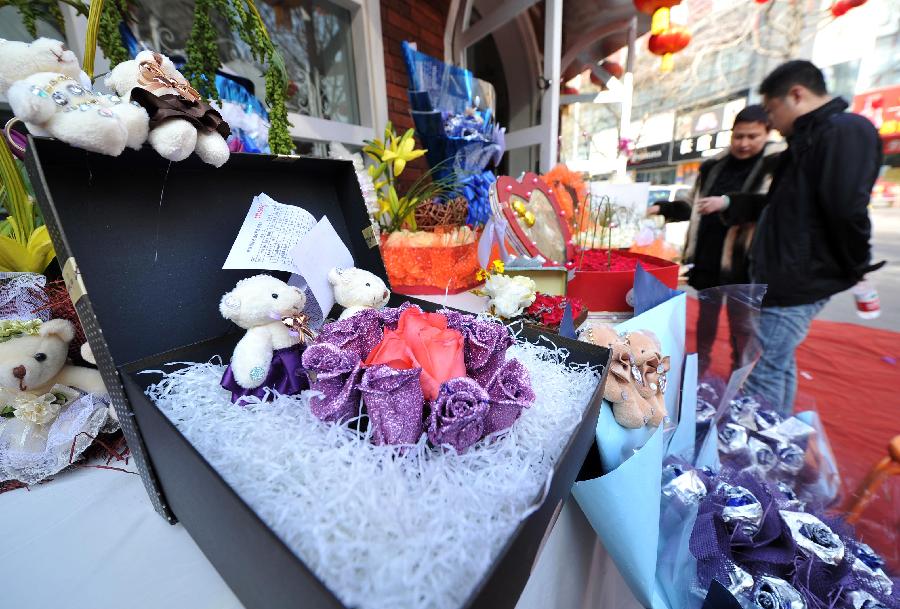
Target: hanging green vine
x=280, y=141
x=203, y=60
x=203, y=51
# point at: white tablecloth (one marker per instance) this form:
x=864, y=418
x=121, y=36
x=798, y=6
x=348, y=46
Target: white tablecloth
x=89, y=539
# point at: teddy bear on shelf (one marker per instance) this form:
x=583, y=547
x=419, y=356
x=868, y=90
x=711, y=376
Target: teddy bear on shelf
x=268, y=355
x=181, y=122
x=356, y=289
x=48, y=91
x=637, y=398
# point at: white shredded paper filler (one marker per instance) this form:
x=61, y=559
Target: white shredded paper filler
x=383, y=528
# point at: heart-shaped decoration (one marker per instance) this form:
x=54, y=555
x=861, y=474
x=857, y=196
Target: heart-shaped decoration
x=537, y=224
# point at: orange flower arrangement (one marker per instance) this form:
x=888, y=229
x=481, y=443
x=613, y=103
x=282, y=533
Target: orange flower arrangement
x=564, y=182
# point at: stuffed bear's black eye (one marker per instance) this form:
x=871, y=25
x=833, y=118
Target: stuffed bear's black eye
x=275, y=296
x=368, y=285
x=40, y=357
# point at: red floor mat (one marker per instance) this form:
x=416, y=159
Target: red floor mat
x=851, y=374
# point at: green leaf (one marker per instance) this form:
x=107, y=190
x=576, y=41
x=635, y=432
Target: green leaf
x=393, y=200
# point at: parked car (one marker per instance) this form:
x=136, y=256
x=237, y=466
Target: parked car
x=668, y=192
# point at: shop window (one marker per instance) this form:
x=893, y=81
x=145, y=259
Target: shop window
x=314, y=37
x=12, y=28
x=332, y=51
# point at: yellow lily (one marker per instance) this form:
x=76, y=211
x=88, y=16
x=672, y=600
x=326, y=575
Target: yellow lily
x=33, y=257
x=374, y=149
x=402, y=151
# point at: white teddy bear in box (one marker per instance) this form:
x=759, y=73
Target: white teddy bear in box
x=49, y=93
x=36, y=360
x=180, y=121
x=356, y=289
x=268, y=355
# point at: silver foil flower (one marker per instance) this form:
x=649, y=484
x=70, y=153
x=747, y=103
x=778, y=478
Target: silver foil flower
x=742, y=509
x=774, y=593
x=813, y=537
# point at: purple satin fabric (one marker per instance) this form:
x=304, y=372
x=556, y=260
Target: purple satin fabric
x=286, y=376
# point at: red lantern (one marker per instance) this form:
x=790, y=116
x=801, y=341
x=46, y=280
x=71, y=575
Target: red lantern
x=665, y=39
x=839, y=8
x=670, y=41
x=613, y=68
x=651, y=6
x=761, y=1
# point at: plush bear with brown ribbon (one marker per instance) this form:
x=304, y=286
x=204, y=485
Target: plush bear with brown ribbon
x=181, y=122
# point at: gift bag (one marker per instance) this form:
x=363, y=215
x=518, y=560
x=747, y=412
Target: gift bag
x=623, y=505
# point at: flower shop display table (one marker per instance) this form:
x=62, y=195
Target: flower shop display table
x=90, y=540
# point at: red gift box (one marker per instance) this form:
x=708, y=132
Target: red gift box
x=605, y=290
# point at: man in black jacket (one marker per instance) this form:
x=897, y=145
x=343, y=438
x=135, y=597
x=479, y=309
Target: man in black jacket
x=812, y=237
x=716, y=251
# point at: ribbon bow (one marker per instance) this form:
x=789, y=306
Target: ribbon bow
x=152, y=78
x=494, y=232
x=298, y=325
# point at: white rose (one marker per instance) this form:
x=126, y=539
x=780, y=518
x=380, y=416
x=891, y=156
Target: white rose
x=39, y=410
x=495, y=285
x=510, y=295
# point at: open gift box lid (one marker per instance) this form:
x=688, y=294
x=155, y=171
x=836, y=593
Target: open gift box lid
x=142, y=242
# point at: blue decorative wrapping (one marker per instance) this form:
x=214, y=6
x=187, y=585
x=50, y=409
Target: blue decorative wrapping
x=476, y=188
x=132, y=45
x=448, y=87
x=459, y=138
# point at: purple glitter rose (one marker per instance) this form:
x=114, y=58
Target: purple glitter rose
x=356, y=335
x=456, y=320
x=394, y=403
x=390, y=316
x=485, y=348
x=458, y=415
x=510, y=391
x=335, y=374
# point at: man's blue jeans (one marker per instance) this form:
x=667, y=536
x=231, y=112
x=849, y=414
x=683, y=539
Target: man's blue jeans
x=780, y=331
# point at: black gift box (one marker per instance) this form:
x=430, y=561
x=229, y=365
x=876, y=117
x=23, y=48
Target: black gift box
x=141, y=242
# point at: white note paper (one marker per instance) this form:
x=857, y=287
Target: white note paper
x=317, y=252
x=269, y=232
